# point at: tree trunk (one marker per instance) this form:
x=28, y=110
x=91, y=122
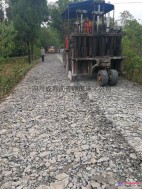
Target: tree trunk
x=32, y=51
x=29, y=52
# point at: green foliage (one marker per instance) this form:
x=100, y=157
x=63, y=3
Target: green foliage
x=50, y=37
x=132, y=49
x=11, y=73
x=1, y=12
x=55, y=11
x=1, y=15
x=7, y=35
x=20, y=48
x=125, y=17
x=28, y=16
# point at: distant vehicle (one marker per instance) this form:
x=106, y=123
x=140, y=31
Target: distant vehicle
x=52, y=49
x=61, y=50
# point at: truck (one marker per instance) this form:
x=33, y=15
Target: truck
x=52, y=49
x=93, y=42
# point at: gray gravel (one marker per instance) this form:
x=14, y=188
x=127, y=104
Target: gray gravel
x=57, y=134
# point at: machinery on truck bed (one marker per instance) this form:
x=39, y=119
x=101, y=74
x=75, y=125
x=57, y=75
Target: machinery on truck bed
x=92, y=42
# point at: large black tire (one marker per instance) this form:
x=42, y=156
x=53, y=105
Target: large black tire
x=102, y=78
x=113, y=77
x=74, y=78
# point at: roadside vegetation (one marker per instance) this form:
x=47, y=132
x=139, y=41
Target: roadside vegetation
x=20, y=42
x=132, y=47
x=11, y=72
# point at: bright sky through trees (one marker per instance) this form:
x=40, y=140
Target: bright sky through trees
x=133, y=6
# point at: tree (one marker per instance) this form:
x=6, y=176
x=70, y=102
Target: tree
x=28, y=16
x=1, y=11
x=125, y=17
x=6, y=39
x=132, y=49
x=50, y=37
x=55, y=11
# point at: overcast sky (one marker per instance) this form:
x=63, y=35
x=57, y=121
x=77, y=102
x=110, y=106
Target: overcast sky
x=135, y=8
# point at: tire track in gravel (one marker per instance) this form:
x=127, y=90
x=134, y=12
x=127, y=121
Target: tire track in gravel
x=114, y=145
x=114, y=139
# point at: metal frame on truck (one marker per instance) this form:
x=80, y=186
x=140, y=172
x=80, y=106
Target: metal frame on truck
x=93, y=45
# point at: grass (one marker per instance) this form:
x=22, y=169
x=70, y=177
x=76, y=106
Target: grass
x=133, y=72
x=12, y=72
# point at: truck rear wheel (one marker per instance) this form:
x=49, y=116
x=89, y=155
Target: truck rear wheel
x=102, y=78
x=113, y=77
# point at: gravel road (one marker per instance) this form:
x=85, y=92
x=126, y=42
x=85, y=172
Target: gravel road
x=57, y=134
